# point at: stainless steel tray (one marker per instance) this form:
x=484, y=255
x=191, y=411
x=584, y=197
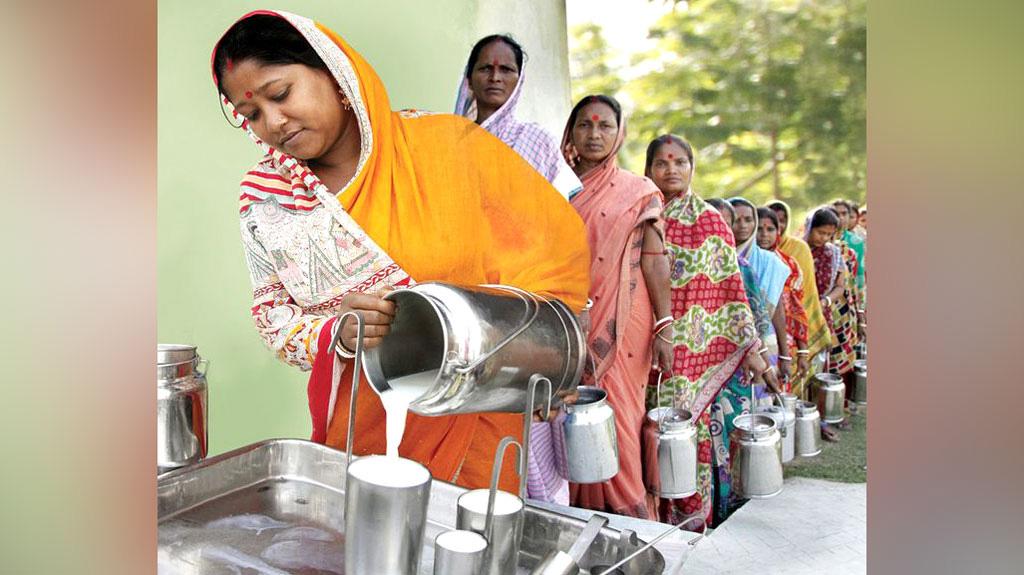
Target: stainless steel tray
x=278, y=507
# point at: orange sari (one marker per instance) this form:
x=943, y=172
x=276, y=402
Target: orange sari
x=447, y=201
x=615, y=204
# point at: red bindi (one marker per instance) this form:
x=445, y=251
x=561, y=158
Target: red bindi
x=595, y=117
x=670, y=156
x=248, y=94
x=494, y=63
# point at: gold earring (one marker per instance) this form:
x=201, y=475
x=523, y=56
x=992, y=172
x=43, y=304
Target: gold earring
x=345, y=101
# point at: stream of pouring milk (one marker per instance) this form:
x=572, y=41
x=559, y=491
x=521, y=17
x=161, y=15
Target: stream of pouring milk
x=404, y=390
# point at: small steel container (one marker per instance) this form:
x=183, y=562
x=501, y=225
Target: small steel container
x=459, y=552
x=755, y=452
x=671, y=437
x=785, y=422
x=831, y=397
x=808, y=429
x=181, y=406
x=591, y=442
x=385, y=515
x=860, y=391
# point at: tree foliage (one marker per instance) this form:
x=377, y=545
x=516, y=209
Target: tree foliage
x=772, y=94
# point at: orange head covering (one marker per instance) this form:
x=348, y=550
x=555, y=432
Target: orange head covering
x=447, y=201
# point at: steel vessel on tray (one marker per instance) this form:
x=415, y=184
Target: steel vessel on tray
x=279, y=505
x=181, y=406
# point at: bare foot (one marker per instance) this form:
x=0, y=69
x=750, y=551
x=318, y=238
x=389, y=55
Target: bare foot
x=829, y=434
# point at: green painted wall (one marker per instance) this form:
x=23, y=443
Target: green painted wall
x=418, y=48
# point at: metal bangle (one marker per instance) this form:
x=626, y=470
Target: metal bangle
x=663, y=338
x=785, y=357
x=763, y=350
x=803, y=352
x=339, y=347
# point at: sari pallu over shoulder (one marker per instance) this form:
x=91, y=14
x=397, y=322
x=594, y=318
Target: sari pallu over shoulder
x=615, y=206
x=417, y=172
x=819, y=337
x=714, y=326
x=714, y=330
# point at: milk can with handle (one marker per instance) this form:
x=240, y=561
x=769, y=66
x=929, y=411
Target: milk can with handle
x=831, y=397
x=473, y=349
x=808, y=429
x=670, y=434
x=785, y=423
x=755, y=451
x=860, y=372
x=181, y=406
x=590, y=440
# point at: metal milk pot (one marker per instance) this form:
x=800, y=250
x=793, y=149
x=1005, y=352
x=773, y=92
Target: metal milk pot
x=670, y=440
x=785, y=422
x=590, y=440
x=860, y=391
x=181, y=406
x=808, y=429
x=755, y=451
x=670, y=434
x=831, y=397
x=474, y=349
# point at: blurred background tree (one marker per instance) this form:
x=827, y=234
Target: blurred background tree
x=771, y=93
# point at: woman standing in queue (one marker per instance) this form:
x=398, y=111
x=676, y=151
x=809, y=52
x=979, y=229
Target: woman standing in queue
x=832, y=276
x=350, y=198
x=489, y=95
x=713, y=334
x=768, y=238
x=770, y=274
x=819, y=336
x=629, y=288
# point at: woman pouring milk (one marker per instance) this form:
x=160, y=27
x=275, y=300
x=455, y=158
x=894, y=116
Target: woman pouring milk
x=351, y=199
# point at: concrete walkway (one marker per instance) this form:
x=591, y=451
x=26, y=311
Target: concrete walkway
x=812, y=527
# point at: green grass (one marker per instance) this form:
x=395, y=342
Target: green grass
x=844, y=461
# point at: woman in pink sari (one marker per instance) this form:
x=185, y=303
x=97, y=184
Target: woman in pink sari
x=629, y=289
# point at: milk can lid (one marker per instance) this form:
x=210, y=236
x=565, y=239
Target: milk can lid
x=172, y=353
x=806, y=407
x=677, y=419
x=756, y=425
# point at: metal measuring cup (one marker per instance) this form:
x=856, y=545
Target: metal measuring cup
x=385, y=499
x=459, y=552
x=497, y=515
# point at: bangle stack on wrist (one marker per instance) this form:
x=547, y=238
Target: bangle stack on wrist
x=661, y=325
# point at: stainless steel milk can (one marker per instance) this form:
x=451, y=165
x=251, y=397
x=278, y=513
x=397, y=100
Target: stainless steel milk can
x=590, y=440
x=755, y=451
x=474, y=349
x=672, y=437
x=831, y=397
x=181, y=408
x=785, y=422
x=808, y=429
x=860, y=392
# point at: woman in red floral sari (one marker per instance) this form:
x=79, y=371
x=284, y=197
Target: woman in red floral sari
x=713, y=331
